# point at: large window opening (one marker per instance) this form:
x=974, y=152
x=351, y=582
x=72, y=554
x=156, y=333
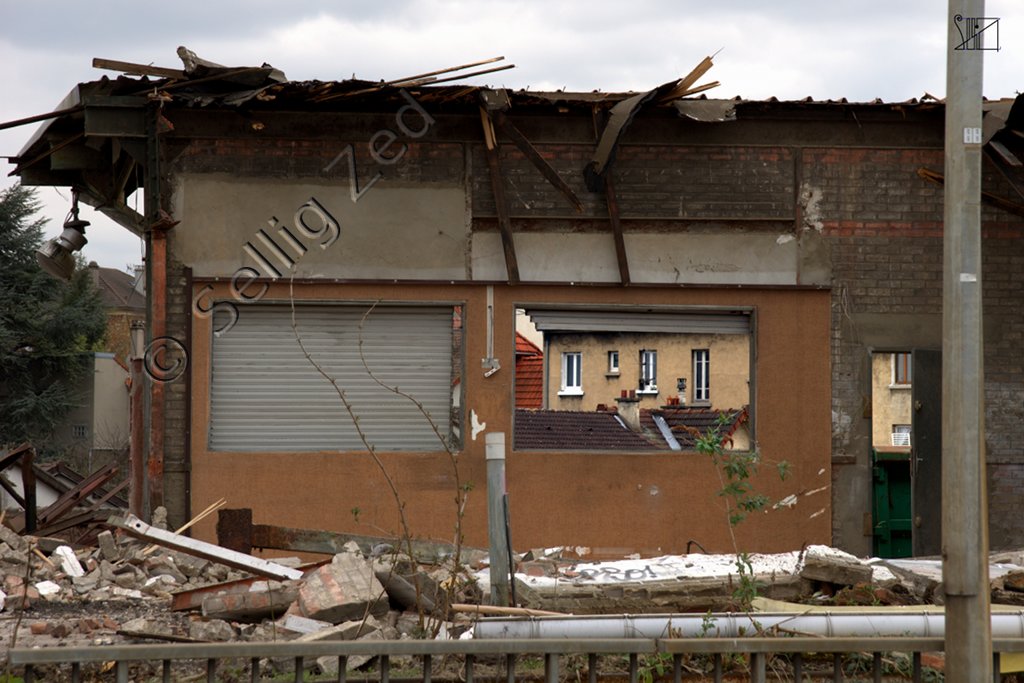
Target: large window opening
x=636, y=378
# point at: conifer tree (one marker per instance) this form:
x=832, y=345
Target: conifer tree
x=48, y=328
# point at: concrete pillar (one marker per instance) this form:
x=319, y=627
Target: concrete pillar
x=496, y=533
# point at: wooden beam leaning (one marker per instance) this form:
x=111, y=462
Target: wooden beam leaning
x=616, y=224
x=520, y=141
x=137, y=69
x=501, y=203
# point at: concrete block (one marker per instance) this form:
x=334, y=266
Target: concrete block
x=822, y=563
x=348, y=630
x=68, y=561
x=214, y=630
x=344, y=590
x=251, y=605
x=16, y=542
x=304, y=625
x=108, y=546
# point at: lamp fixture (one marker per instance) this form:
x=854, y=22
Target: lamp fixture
x=56, y=257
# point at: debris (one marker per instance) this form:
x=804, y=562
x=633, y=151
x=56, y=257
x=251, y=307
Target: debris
x=236, y=531
x=251, y=604
x=304, y=625
x=822, y=563
x=214, y=630
x=108, y=546
x=69, y=561
x=342, y=590
x=231, y=558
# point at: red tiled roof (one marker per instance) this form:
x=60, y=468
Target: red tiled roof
x=529, y=374
x=574, y=430
x=526, y=347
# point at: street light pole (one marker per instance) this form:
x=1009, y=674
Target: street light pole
x=964, y=501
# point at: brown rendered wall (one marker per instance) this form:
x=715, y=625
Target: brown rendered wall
x=841, y=189
x=612, y=502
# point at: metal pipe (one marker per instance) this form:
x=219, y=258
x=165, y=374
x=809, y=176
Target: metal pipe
x=734, y=625
x=498, y=543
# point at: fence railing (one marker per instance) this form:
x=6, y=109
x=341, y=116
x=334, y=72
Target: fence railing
x=760, y=659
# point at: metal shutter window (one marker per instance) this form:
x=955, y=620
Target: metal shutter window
x=266, y=396
x=619, y=320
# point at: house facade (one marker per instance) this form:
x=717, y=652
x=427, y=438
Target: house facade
x=587, y=370
x=341, y=265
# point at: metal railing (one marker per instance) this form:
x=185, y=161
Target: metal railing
x=789, y=658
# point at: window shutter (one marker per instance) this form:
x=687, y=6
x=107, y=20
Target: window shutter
x=266, y=396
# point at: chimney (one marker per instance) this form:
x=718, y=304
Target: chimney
x=629, y=410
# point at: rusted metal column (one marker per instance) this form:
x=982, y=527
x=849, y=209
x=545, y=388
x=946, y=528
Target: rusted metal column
x=136, y=447
x=158, y=331
x=964, y=499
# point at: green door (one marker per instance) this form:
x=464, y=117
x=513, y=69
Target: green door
x=891, y=509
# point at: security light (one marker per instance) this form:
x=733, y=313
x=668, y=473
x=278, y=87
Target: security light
x=56, y=257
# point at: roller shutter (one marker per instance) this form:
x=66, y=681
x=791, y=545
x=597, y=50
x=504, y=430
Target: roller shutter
x=266, y=396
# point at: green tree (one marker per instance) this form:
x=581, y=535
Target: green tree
x=48, y=328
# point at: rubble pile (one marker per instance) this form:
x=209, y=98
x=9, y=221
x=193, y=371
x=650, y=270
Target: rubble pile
x=125, y=590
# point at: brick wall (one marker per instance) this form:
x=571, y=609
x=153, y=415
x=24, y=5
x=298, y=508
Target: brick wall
x=651, y=181
x=884, y=224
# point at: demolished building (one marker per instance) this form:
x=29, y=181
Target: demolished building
x=394, y=229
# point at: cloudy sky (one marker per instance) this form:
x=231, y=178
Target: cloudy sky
x=789, y=49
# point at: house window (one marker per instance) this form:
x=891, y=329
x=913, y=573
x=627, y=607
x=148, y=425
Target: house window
x=79, y=431
x=648, y=371
x=613, y=362
x=572, y=374
x=266, y=395
x=902, y=369
x=901, y=435
x=701, y=376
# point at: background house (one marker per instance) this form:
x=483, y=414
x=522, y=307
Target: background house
x=588, y=369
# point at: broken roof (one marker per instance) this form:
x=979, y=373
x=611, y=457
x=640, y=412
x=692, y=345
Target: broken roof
x=687, y=424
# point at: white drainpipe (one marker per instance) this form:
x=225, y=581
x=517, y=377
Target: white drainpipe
x=735, y=625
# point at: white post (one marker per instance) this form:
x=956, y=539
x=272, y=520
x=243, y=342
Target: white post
x=496, y=533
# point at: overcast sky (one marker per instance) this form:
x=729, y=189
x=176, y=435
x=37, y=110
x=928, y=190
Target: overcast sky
x=893, y=50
